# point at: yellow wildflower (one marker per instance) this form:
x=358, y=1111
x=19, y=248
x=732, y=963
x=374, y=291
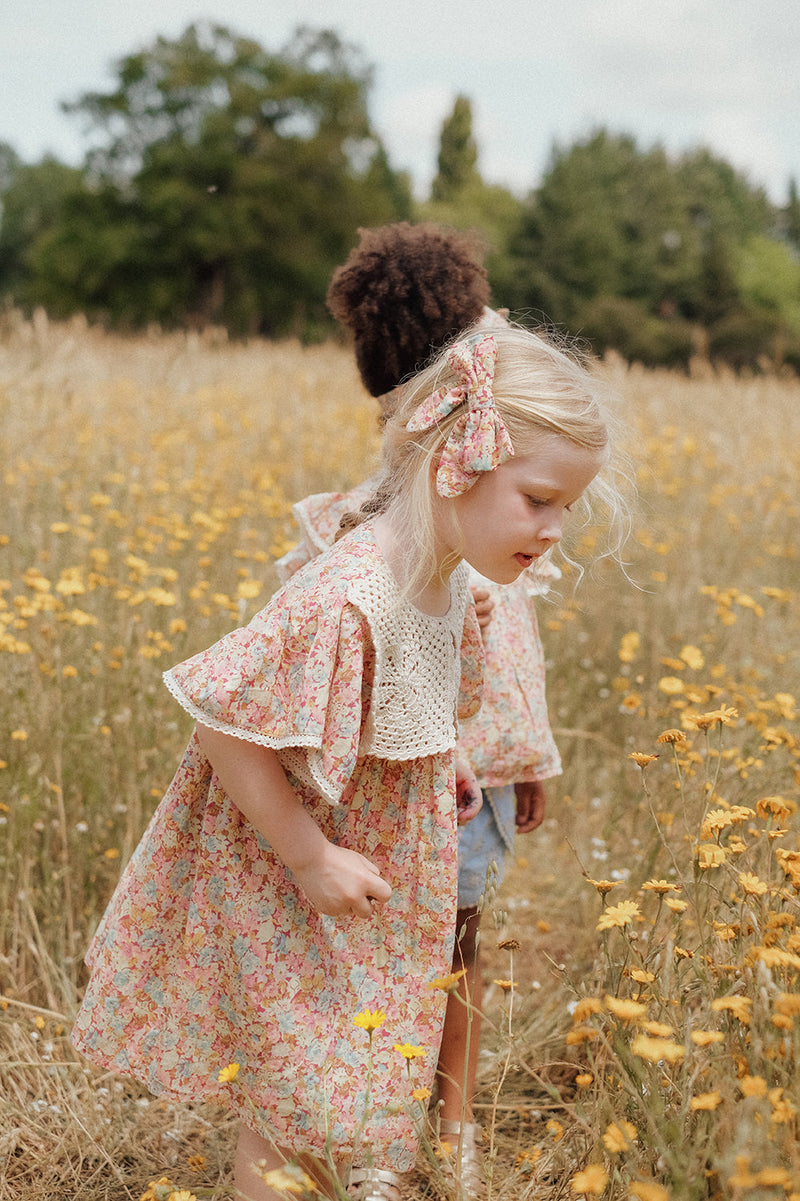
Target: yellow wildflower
x=715, y=821
x=742, y=1178
x=672, y=685
x=603, y=886
x=709, y=855
x=288, y=1179
x=790, y=864
x=584, y=1079
x=647, y=1190
x=752, y=885
x=660, y=886
x=641, y=976
x=228, y=1074
x=421, y=1094
x=526, y=1159
x=448, y=983
x=618, y=915
x=408, y=1051
x=706, y=1101
x=158, y=1190
x=693, y=657
x=580, y=1034
x=672, y=737
x=619, y=1136
x=624, y=1009
x=656, y=1049
x=369, y=1021
x=775, y=806
x=555, y=1128
x=753, y=1086
x=738, y=1006
x=675, y=905
x=774, y=1178
x=788, y=1003
x=182, y=1194
x=659, y=1029
x=723, y=716
x=585, y=1008
x=628, y=646
x=783, y=1111
x=776, y=957
x=641, y=759
x=248, y=589
x=591, y=1180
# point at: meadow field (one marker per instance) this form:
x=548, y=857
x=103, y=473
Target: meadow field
x=642, y=957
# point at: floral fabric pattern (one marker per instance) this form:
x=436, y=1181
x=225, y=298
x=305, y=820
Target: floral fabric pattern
x=209, y=954
x=509, y=741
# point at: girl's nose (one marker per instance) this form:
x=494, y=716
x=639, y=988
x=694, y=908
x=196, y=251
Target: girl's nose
x=552, y=528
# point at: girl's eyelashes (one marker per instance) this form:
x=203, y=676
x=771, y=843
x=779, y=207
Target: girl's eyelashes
x=539, y=502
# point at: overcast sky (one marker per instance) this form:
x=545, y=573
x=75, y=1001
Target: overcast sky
x=719, y=73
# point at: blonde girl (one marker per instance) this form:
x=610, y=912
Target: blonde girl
x=294, y=895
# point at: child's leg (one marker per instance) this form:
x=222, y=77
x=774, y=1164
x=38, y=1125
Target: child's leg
x=458, y=1055
x=253, y=1149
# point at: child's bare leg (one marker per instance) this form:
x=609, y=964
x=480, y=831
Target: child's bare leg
x=458, y=1057
x=253, y=1149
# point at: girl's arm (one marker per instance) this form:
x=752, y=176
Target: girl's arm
x=336, y=880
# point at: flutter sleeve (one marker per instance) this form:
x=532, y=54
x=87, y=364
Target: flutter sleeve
x=293, y=679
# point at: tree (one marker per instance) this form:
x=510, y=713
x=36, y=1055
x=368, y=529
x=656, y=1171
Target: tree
x=610, y=220
x=32, y=196
x=227, y=183
x=458, y=154
x=791, y=216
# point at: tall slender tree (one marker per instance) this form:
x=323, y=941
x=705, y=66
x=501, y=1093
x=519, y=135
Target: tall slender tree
x=458, y=154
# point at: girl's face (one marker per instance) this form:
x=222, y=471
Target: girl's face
x=512, y=515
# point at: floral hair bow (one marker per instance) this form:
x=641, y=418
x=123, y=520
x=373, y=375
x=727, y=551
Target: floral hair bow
x=478, y=441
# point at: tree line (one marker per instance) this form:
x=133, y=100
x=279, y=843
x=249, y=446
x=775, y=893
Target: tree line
x=225, y=181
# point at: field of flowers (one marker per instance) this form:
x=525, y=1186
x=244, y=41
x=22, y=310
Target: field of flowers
x=643, y=954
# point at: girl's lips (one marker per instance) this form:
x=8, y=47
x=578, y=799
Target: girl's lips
x=524, y=560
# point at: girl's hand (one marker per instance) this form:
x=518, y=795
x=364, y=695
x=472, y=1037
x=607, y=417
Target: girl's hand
x=342, y=882
x=483, y=606
x=469, y=797
x=531, y=801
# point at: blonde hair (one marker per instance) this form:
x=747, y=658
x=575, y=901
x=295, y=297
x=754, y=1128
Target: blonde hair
x=540, y=388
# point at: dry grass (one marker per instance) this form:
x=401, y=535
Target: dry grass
x=146, y=492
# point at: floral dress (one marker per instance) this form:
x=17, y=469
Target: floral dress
x=209, y=954
x=509, y=741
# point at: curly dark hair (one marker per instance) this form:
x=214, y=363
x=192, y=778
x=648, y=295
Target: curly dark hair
x=404, y=292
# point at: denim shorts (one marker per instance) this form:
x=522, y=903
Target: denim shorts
x=484, y=843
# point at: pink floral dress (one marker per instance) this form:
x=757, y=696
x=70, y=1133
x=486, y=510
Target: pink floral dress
x=209, y=954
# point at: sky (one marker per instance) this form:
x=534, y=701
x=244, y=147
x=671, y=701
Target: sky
x=718, y=73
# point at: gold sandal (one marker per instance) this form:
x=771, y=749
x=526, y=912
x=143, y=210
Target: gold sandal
x=466, y=1159
x=374, y=1184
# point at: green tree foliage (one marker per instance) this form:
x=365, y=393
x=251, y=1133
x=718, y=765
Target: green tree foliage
x=458, y=155
x=33, y=197
x=791, y=216
x=661, y=238
x=461, y=199
x=227, y=183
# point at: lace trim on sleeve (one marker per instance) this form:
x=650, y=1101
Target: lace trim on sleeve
x=298, y=754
